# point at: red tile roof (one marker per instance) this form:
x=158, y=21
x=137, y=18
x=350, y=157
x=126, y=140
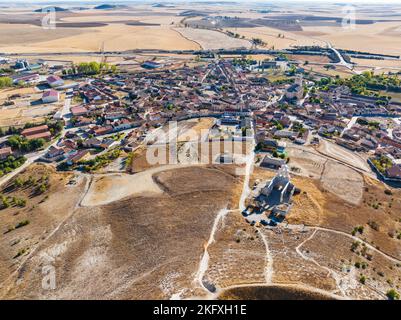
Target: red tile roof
x=78, y=110
x=35, y=130
x=41, y=135
x=50, y=93
x=5, y=151
x=53, y=78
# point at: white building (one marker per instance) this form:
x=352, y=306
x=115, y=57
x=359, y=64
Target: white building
x=54, y=81
x=50, y=96
x=295, y=90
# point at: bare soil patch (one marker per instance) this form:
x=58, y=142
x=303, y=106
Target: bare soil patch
x=140, y=247
x=344, y=182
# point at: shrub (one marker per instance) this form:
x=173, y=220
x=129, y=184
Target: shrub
x=20, y=252
x=393, y=295
x=22, y=224
x=388, y=192
x=374, y=225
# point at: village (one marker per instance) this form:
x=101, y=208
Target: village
x=202, y=150
x=103, y=111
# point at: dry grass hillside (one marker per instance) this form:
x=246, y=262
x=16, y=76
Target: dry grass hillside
x=138, y=247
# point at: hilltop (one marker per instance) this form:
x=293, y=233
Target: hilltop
x=57, y=9
x=109, y=7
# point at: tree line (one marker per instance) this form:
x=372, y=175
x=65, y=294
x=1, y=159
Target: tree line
x=90, y=68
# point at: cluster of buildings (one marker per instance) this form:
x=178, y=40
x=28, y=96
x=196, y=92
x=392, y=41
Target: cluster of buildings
x=234, y=93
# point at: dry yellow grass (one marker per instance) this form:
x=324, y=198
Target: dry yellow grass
x=22, y=111
x=270, y=36
x=209, y=39
x=381, y=37
x=114, y=37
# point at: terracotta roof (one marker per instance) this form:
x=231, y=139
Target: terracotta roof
x=50, y=93
x=34, y=130
x=78, y=110
x=5, y=151
x=53, y=78
x=41, y=135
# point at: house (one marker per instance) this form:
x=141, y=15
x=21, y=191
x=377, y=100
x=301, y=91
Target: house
x=92, y=143
x=368, y=144
x=272, y=163
x=285, y=121
x=50, y=96
x=58, y=115
x=269, y=65
x=42, y=135
x=75, y=157
x=4, y=60
x=54, y=154
x=122, y=124
x=115, y=115
x=34, y=130
x=69, y=143
x=285, y=134
x=79, y=111
x=107, y=143
x=82, y=121
x=103, y=130
x=394, y=172
x=96, y=143
x=26, y=78
x=54, y=81
x=269, y=145
x=5, y=152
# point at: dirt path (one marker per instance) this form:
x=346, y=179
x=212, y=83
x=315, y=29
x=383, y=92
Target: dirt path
x=269, y=260
x=204, y=262
x=368, y=245
x=331, y=272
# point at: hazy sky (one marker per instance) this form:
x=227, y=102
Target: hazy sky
x=156, y=1
x=87, y=2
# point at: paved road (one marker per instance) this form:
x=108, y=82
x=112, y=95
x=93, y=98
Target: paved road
x=342, y=61
x=66, y=110
x=31, y=158
x=339, y=55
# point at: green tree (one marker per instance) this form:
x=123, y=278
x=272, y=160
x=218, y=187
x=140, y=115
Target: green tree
x=6, y=82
